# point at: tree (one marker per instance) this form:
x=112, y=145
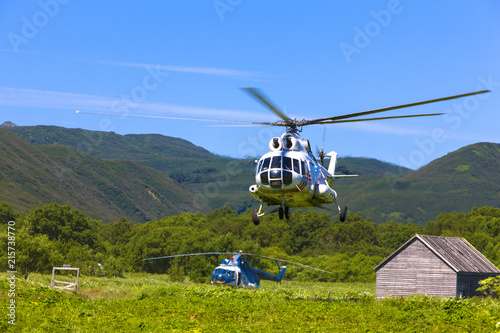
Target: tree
x=6, y=213
x=63, y=223
x=35, y=254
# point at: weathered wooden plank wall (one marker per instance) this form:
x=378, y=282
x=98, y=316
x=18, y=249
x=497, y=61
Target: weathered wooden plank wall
x=416, y=270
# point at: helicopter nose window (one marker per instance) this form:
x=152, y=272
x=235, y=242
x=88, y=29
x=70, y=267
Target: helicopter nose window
x=275, y=174
x=265, y=165
x=264, y=178
x=287, y=177
x=287, y=163
x=257, y=170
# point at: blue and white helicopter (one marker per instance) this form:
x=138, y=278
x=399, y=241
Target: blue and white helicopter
x=237, y=272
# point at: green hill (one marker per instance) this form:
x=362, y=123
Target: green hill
x=459, y=181
x=32, y=176
x=456, y=182
x=214, y=180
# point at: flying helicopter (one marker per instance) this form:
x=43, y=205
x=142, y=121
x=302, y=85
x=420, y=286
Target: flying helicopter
x=289, y=175
x=237, y=272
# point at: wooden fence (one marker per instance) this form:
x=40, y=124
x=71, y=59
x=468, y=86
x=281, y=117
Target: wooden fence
x=65, y=284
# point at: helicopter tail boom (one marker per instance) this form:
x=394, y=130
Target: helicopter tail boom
x=280, y=275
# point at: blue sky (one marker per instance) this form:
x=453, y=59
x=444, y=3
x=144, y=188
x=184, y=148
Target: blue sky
x=188, y=59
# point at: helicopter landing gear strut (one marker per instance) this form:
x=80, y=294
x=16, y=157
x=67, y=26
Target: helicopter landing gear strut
x=342, y=211
x=255, y=216
x=282, y=213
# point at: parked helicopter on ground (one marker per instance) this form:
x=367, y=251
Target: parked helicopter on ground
x=289, y=176
x=237, y=272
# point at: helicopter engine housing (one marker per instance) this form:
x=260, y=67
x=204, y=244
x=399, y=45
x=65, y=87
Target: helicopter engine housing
x=276, y=144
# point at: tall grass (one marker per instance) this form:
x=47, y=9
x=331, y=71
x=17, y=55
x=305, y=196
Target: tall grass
x=153, y=303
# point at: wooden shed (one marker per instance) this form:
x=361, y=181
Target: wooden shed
x=433, y=265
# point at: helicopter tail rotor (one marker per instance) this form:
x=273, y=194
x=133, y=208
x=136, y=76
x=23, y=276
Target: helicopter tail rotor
x=321, y=153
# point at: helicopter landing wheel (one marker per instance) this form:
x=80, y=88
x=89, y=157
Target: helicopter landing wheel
x=287, y=213
x=280, y=213
x=255, y=217
x=343, y=213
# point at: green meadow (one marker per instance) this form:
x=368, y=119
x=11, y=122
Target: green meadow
x=142, y=302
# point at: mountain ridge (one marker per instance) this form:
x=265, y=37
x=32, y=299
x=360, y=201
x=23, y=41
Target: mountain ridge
x=33, y=176
x=455, y=182
x=458, y=181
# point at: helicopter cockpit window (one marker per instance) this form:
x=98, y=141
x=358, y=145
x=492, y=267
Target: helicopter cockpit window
x=257, y=170
x=275, y=178
x=287, y=177
x=275, y=174
x=287, y=163
x=276, y=162
x=265, y=164
x=264, y=178
x=303, y=167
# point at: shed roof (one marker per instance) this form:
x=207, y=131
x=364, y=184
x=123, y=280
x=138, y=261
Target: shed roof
x=457, y=252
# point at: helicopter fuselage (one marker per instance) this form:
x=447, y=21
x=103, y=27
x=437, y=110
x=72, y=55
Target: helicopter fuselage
x=289, y=175
x=237, y=272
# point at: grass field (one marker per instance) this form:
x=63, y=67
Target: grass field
x=152, y=303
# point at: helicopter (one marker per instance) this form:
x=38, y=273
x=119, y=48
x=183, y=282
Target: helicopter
x=236, y=271
x=289, y=175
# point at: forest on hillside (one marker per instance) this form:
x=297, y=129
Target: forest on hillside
x=55, y=234
x=108, y=176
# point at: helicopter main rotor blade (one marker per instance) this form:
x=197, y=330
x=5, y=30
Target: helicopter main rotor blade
x=178, y=118
x=288, y=262
x=364, y=113
x=243, y=254
x=380, y=118
x=257, y=94
x=189, y=254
